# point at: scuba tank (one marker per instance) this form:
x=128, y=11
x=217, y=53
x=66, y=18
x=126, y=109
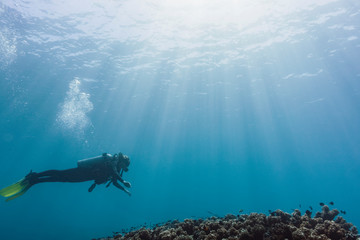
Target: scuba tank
x=90, y=162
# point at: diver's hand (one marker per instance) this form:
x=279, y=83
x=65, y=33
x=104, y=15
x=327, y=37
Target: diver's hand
x=129, y=193
x=127, y=184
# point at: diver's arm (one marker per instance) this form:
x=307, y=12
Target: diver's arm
x=118, y=177
x=126, y=184
x=116, y=184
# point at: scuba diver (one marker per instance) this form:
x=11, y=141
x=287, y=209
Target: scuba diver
x=106, y=168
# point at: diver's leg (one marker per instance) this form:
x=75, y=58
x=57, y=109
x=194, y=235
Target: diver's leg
x=68, y=175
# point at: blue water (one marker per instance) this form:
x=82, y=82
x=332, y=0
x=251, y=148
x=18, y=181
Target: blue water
x=220, y=105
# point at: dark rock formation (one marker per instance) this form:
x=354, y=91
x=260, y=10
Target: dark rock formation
x=278, y=225
x=326, y=213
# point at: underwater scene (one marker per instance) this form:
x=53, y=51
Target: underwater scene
x=158, y=119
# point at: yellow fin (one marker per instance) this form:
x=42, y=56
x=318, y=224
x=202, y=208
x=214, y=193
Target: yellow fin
x=14, y=188
x=24, y=190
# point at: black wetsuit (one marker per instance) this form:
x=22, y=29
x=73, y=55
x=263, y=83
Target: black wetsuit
x=102, y=172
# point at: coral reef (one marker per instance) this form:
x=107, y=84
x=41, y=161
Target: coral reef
x=278, y=225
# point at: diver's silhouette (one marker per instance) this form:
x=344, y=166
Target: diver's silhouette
x=106, y=168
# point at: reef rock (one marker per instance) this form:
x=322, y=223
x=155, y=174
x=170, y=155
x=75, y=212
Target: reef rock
x=278, y=225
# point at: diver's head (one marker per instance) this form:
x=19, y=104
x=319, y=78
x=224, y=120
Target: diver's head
x=123, y=162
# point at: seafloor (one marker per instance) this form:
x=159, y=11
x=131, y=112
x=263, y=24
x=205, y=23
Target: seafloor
x=277, y=225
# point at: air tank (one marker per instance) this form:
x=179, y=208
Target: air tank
x=90, y=162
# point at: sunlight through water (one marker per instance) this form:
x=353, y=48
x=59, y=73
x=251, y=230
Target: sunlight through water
x=221, y=105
